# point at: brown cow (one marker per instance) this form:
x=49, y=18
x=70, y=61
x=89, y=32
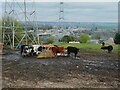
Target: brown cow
x=57, y=49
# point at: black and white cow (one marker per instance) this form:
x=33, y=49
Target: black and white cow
x=35, y=48
x=71, y=49
x=27, y=50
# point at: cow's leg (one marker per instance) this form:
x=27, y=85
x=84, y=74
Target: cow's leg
x=75, y=54
x=23, y=54
x=68, y=54
x=62, y=53
x=109, y=51
x=55, y=54
x=21, y=50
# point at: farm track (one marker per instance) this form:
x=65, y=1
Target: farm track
x=90, y=70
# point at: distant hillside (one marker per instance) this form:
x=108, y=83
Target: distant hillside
x=80, y=24
x=84, y=24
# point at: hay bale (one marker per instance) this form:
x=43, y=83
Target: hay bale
x=46, y=54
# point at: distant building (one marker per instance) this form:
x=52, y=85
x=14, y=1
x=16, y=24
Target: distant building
x=73, y=42
x=110, y=41
x=94, y=41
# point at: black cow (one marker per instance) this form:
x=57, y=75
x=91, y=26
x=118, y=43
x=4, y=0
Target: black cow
x=103, y=44
x=71, y=49
x=109, y=48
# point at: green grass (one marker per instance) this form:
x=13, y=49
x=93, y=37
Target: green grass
x=89, y=46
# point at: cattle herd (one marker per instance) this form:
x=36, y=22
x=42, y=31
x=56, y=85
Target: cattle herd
x=33, y=50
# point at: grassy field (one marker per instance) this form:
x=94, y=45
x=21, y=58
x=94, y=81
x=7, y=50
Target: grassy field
x=89, y=46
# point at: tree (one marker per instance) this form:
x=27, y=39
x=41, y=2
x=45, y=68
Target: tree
x=67, y=38
x=50, y=41
x=84, y=38
x=117, y=38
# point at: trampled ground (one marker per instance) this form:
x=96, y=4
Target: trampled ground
x=91, y=69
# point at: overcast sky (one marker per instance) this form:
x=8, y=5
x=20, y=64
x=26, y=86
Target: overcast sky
x=64, y=0
x=73, y=11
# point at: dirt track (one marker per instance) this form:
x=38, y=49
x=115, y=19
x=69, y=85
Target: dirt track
x=90, y=70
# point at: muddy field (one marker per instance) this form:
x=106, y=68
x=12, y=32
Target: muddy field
x=90, y=70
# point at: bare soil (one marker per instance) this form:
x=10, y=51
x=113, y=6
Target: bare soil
x=91, y=69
